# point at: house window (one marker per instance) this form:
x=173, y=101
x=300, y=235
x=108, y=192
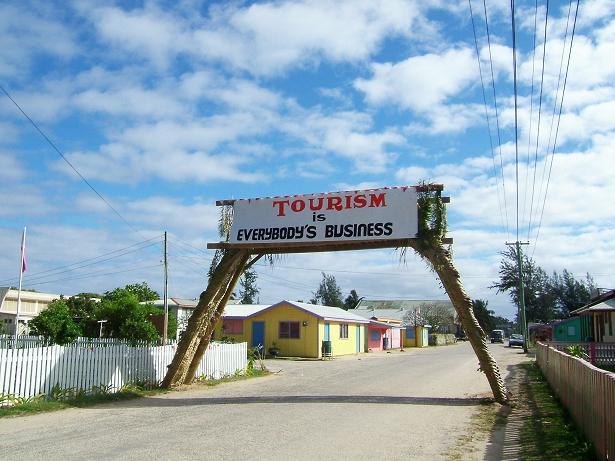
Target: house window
x=571, y=331
x=410, y=333
x=232, y=327
x=344, y=331
x=375, y=335
x=289, y=330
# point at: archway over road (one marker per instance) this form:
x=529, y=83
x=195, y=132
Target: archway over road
x=407, y=217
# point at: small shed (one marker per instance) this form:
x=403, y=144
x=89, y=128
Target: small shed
x=383, y=336
x=416, y=336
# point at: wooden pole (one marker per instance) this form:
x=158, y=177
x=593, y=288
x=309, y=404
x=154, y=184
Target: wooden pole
x=176, y=373
x=441, y=261
x=211, y=325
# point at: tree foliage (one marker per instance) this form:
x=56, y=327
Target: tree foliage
x=248, y=290
x=126, y=317
x=351, y=300
x=546, y=298
x=329, y=293
x=121, y=310
x=438, y=316
x=141, y=290
x=56, y=323
x=484, y=316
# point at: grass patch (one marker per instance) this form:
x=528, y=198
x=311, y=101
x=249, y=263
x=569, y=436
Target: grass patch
x=255, y=373
x=62, y=399
x=549, y=432
x=45, y=405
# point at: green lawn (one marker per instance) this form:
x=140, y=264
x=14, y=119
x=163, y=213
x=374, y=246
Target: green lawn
x=42, y=404
x=549, y=432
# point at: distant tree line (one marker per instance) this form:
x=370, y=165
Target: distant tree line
x=546, y=297
x=121, y=311
x=329, y=293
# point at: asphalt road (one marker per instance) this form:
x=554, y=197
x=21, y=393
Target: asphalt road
x=403, y=405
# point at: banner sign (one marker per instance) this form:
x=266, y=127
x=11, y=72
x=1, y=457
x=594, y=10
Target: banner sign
x=376, y=214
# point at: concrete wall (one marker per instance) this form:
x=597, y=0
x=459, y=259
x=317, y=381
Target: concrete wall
x=440, y=339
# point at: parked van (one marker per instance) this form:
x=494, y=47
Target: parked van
x=497, y=336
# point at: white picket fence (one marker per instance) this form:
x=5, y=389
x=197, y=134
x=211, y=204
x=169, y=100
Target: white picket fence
x=9, y=341
x=31, y=371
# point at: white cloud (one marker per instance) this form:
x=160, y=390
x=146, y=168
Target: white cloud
x=263, y=38
x=148, y=31
x=11, y=169
x=26, y=31
x=420, y=82
x=168, y=213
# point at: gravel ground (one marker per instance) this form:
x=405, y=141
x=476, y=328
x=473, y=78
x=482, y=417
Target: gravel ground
x=403, y=405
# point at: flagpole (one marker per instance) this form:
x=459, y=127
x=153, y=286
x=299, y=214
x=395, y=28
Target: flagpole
x=23, y=252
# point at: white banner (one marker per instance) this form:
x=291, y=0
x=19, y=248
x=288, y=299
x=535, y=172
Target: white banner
x=376, y=214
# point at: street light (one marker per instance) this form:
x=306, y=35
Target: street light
x=101, y=325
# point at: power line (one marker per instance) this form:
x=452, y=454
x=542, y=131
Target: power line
x=514, y=43
x=50, y=142
x=542, y=77
x=497, y=118
x=555, y=99
x=99, y=274
x=558, y=122
x=482, y=83
x=95, y=259
x=529, y=135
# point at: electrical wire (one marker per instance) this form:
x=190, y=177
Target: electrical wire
x=555, y=100
x=529, y=135
x=68, y=162
x=558, y=123
x=98, y=274
x=542, y=77
x=482, y=83
x=94, y=260
x=497, y=117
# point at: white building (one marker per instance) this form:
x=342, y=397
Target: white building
x=182, y=308
x=32, y=303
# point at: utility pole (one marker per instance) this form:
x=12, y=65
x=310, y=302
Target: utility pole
x=22, y=269
x=521, y=297
x=166, y=292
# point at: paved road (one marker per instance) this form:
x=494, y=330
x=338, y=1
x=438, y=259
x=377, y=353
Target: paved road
x=403, y=405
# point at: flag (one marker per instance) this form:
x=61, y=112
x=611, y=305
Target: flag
x=23, y=251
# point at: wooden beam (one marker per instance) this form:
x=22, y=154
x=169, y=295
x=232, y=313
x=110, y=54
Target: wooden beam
x=425, y=188
x=309, y=247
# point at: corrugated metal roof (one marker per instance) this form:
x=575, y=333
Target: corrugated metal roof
x=242, y=311
x=327, y=312
x=177, y=302
x=608, y=305
x=589, y=307
x=403, y=304
x=394, y=314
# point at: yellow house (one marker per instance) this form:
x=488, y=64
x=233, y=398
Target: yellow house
x=296, y=329
x=416, y=336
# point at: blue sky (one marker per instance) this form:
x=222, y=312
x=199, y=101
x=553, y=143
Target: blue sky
x=167, y=106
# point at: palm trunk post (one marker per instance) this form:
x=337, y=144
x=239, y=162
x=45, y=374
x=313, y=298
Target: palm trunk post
x=441, y=261
x=208, y=302
x=205, y=336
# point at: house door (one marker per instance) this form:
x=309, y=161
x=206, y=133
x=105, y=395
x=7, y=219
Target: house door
x=327, y=331
x=358, y=338
x=258, y=334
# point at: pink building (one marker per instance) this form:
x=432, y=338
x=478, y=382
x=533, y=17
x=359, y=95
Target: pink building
x=381, y=336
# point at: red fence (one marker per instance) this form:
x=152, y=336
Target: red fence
x=586, y=391
x=598, y=353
